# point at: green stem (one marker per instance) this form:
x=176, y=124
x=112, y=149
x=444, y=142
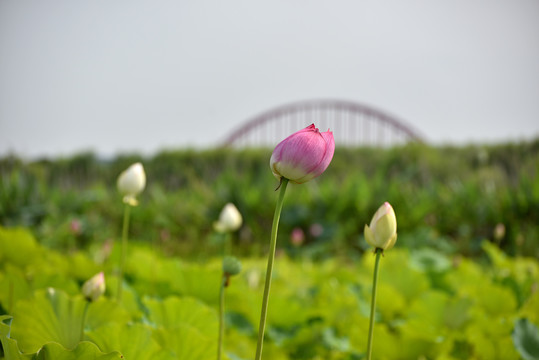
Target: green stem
x=271, y=258
x=221, y=317
x=123, y=254
x=378, y=252
x=227, y=245
x=84, y=320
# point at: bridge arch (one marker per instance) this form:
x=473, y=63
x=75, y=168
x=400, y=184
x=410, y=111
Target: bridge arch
x=352, y=123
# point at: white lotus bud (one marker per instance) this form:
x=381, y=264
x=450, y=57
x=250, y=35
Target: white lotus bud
x=94, y=287
x=131, y=182
x=382, y=232
x=229, y=220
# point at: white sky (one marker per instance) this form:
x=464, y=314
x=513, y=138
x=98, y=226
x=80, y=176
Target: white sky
x=133, y=75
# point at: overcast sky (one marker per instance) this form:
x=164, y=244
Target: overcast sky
x=131, y=75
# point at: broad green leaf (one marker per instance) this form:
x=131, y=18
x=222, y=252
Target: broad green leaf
x=82, y=267
x=186, y=343
x=51, y=316
x=104, y=311
x=242, y=347
x=498, y=257
x=286, y=311
x=134, y=341
x=43, y=280
x=526, y=339
x=84, y=351
x=49, y=263
x=395, y=271
x=486, y=346
x=14, y=287
x=494, y=299
x=332, y=341
x=50, y=351
x=175, y=312
x=18, y=246
x=389, y=302
x=465, y=276
x=197, y=281
x=130, y=299
x=426, y=316
x=429, y=260
x=9, y=345
x=240, y=322
x=529, y=309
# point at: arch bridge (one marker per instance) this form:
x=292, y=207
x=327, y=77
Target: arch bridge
x=353, y=124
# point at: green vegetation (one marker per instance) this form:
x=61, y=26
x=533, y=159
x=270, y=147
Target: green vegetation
x=461, y=283
x=429, y=305
x=448, y=198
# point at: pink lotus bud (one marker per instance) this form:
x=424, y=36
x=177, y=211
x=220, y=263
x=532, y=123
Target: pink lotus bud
x=316, y=230
x=94, y=287
x=75, y=227
x=297, y=237
x=382, y=232
x=131, y=182
x=303, y=155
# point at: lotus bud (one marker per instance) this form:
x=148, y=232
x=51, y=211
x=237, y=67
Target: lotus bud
x=382, y=232
x=499, y=232
x=231, y=266
x=297, y=237
x=229, y=220
x=94, y=287
x=303, y=155
x=75, y=226
x=131, y=182
x=316, y=230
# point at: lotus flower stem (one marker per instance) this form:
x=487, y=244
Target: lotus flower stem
x=123, y=253
x=378, y=252
x=227, y=244
x=221, y=316
x=83, y=321
x=271, y=258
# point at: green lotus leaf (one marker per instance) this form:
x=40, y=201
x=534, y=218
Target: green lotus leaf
x=82, y=267
x=18, y=246
x=130, y=299
x=14, y=287
x=394, y=272
x=426, y=316
x=529, y=309
x=186, y=343
x=43, y=280
x=526, y=339
x=83, y=351
x=175, y=312
x=9, y=345
x=134, y=341
x=429, y=260
x=51, y=316
x=104, y=311
x=197, y=281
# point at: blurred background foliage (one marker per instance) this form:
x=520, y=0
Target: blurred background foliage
x=462, y=282
x=448, y=198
